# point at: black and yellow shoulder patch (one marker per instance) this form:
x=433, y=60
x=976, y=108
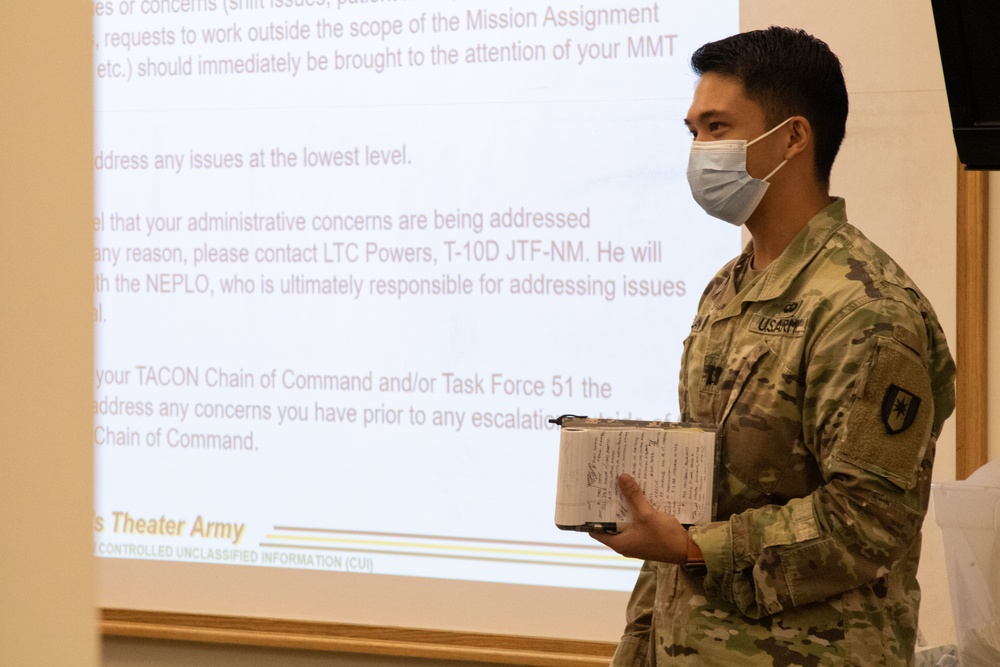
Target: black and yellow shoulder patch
x=899, y=409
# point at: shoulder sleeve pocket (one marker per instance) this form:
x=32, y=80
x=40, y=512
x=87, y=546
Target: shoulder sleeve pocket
x=890, y=418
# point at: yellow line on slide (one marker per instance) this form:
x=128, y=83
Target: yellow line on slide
x=449, y=547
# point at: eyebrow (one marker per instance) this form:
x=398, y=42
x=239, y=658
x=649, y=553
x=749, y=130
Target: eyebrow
x=705, y=116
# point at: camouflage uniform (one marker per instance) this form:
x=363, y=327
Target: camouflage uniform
x=830, y=377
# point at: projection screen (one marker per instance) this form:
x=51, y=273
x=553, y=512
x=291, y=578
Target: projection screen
x=351, y=256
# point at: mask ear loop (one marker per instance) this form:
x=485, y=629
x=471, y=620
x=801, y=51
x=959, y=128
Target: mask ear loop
x=769, y=132
x=768, y=177
x=773, y=129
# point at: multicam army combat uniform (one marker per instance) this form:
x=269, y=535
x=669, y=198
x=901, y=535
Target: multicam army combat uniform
x=830, y=377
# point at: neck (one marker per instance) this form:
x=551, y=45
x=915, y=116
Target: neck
x=780, y=217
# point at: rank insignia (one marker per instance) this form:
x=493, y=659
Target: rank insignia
x=899, y=409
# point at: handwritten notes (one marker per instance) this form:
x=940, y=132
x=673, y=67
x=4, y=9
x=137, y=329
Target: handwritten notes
x=674, y=465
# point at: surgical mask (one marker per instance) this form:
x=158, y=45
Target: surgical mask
x=717, y=174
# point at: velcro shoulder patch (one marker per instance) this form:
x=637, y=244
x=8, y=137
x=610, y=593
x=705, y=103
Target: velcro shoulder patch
x=891, y=415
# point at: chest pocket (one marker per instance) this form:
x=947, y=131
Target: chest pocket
x=762, y=427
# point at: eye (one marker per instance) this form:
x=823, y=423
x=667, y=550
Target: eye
x=715, y=126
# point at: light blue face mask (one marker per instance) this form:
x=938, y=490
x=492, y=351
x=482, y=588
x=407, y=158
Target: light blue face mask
x=717, y=174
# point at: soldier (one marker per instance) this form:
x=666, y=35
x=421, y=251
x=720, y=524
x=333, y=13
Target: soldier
x=829, y=377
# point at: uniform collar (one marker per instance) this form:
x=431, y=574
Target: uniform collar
x=778, y=276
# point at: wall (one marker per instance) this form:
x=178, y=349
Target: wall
x=46, y=335
x=897, y=171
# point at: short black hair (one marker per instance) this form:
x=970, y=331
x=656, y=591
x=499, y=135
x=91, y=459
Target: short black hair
x=787, y=72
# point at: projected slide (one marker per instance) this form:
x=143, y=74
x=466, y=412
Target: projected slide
x=352, y=255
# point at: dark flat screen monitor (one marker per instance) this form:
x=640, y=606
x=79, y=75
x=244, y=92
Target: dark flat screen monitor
x=969, y=40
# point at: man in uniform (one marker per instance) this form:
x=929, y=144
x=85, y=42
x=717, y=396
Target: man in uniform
x=829, y=378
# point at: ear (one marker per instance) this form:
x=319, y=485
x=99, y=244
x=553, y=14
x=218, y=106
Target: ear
x=800, y=137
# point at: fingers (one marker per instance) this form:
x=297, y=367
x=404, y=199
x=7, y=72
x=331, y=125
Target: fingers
x=652, y=535
x=633, y=494
x=629, y=486
x=604, y=538
x=640, y=507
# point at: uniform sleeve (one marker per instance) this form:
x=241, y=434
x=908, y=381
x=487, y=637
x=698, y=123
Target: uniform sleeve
x=633, y=648
x=878, y=386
